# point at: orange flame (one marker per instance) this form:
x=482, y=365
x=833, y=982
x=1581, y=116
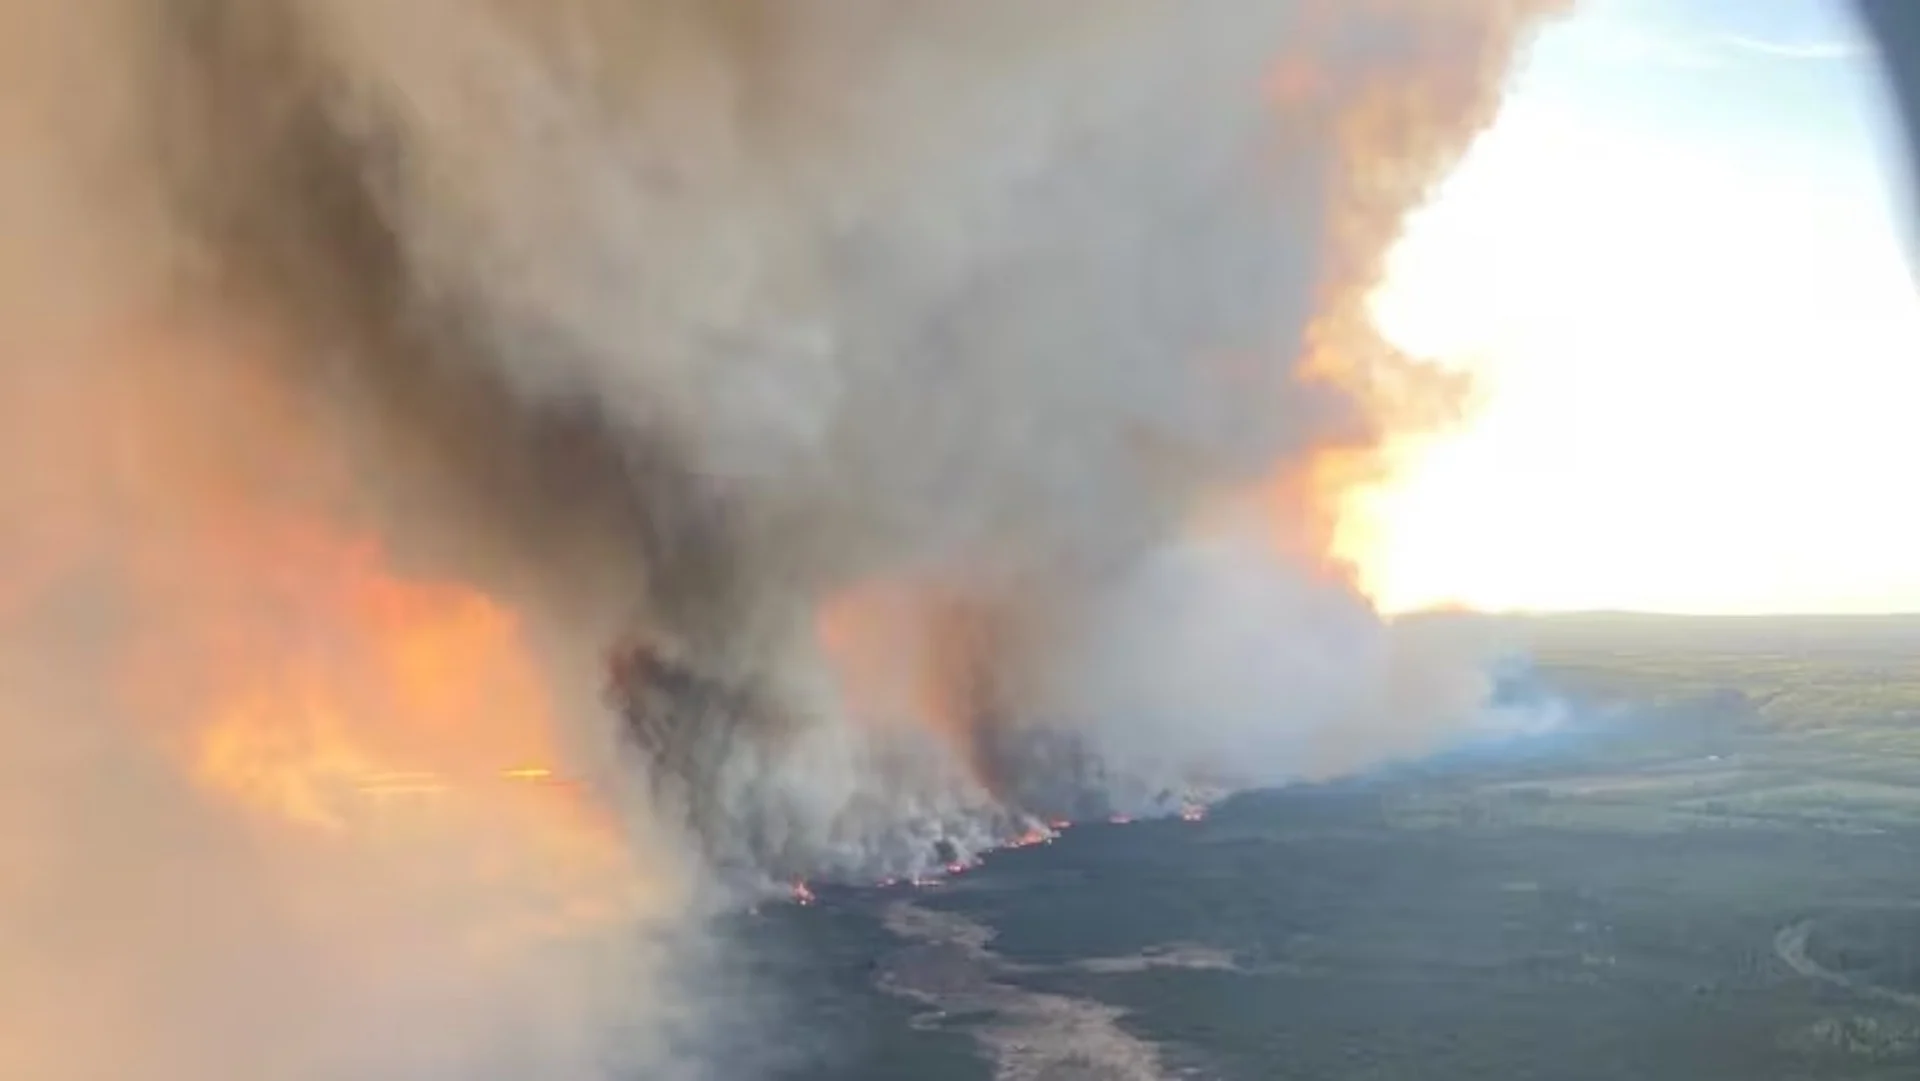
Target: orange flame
x=408, y=720
x=249, y=623
x=396, y=687
x=1032, y=837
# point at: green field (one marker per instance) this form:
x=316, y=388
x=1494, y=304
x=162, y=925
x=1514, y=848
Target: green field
x=1717, y=879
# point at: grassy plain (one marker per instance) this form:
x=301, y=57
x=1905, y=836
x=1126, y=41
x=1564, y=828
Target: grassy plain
x=1715, y=875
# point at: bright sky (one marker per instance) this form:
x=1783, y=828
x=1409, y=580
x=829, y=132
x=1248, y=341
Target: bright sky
x=1677, y=266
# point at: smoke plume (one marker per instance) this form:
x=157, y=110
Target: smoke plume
x=484, y=479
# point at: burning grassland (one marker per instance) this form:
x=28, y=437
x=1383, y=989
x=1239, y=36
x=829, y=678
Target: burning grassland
x=481, y=474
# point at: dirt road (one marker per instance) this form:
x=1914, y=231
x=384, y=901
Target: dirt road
x=1791, y=946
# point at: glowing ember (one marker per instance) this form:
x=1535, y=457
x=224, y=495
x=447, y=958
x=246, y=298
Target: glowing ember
x=803, y=895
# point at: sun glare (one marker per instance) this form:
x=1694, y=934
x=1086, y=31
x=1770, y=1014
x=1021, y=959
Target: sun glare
x=1694, y=365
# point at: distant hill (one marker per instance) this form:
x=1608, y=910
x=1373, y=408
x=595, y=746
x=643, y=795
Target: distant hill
x=1802, y=671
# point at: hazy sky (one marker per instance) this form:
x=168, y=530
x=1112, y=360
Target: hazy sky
x=1677, y=263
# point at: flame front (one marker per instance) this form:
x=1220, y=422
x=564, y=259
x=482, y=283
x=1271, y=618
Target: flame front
x=246, y=622
x=393, y=687
x=339, y=440
x=409, y=719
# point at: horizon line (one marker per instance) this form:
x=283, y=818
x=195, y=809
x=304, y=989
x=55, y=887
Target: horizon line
x=1642, y=613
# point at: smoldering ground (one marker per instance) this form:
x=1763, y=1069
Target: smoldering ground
x=473, y=469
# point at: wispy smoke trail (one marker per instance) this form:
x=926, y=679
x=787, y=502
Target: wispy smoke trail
x=664, y=437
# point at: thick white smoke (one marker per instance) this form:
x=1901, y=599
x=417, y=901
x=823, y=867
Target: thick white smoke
x=851, y=387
